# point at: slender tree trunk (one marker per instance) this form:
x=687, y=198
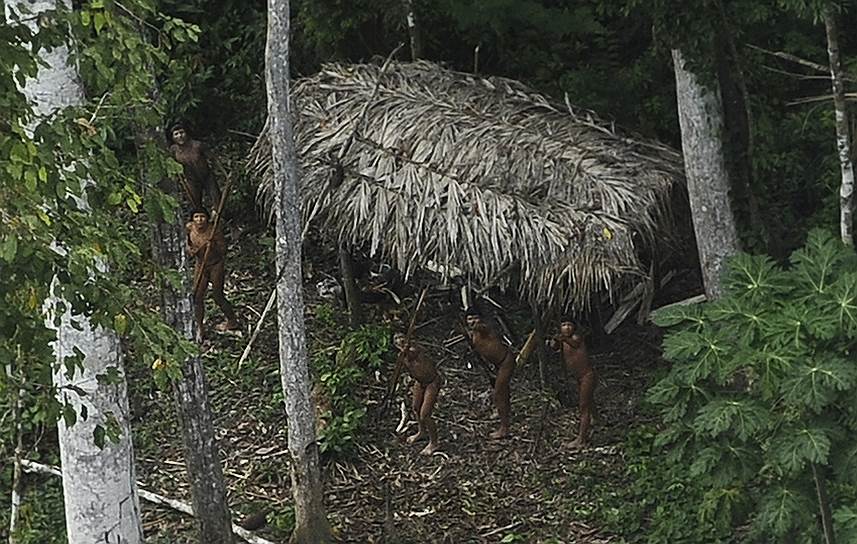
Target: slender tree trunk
x=101, y=502
x=17, y=403
x=311, y=525
x=843, y=137
x=413, y=30
x=701, y=117
x=349, y=286
x=208, y=490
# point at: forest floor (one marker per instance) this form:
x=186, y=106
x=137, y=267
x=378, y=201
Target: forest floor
x=528, y=488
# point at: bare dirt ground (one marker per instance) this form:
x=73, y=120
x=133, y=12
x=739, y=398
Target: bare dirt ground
x=528, y=488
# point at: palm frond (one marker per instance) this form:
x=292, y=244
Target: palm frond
x=478, y=174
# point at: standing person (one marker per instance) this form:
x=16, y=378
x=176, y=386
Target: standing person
x=496, y=354
x=193, y=155
x=201, y=234
x=571, y=344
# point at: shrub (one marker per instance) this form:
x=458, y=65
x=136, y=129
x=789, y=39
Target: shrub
x=760, y=405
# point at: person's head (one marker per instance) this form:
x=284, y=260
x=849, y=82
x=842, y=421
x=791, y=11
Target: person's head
x=473, y=316
x=200, y=217
x=567, y=327
x=399, y=340
x=178, y=134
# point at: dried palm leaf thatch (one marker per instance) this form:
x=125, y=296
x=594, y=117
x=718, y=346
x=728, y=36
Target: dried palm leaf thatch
x=477, y=174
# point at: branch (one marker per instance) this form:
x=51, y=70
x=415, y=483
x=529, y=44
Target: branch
x=32, y=466
x=803, y=62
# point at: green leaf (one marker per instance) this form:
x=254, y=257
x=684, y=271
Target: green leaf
x=815, y=264
x=120, y=323
x=9, y=248
x=753, y=277
x=794, y=448
x=99, y=435
x=781, y=510
x=100, y=21
x=30, y=180
x=743, y=417
x=841, y=304
x=705, y=461
x=85, y=17
x=68, y=414
x=815, y=383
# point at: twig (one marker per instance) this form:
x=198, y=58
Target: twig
x=400, y=360
x=32, y=466
x=797, y=60
x=500, y=529
x=268, y=307
x=242, y=133
x=98, y=107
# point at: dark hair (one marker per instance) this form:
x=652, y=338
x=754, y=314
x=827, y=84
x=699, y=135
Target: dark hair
x=175, y=126
x=472, y=311
x=568, y=319
x=200, y=210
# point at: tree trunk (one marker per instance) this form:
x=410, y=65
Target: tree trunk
x=738, y=135
x=101, y=502
x=843, y=138
x=311, y=526
x=17, y=404
x=701, y=118
x=413, y=30
x=208, y=490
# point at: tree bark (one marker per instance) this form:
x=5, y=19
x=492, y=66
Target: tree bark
x=701, y=118
x=208, y=489
x=413, y=30
x=738, y=135
x=100, y=494
x=17, y=403
x=843, y=137
x=311, y=525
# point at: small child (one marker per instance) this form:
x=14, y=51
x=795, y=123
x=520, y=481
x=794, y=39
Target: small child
x=427, y=382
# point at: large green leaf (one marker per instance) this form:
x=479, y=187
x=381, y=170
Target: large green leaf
x=793, y=448
x=815, y=382
x=743, y=417
x=781, y=509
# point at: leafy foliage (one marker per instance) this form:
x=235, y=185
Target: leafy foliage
x=72, y=199
x=341, y=375
x=762, y=386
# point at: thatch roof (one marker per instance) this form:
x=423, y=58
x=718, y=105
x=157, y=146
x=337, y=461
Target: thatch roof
x=478, y=174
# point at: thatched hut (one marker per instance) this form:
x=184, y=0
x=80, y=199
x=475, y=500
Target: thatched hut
x=482, y=175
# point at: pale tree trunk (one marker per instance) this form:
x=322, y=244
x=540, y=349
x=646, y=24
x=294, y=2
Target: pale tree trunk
x=101, y=502
x=207, y=487
x=413, y=30
x=17, y=403
x=701, y=118
x=311, y=525
x=843, y=137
